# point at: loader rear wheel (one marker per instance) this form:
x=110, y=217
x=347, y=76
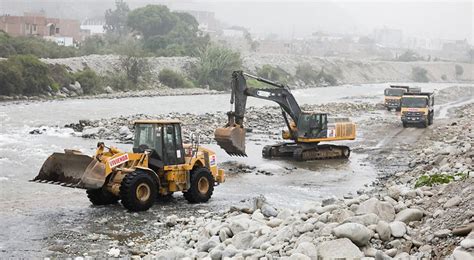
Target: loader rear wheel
x=101, y=197
x=138, y=191
x=202, y=186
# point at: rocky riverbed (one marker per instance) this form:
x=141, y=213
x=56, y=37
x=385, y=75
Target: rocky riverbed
x=391, y=219
x=265, y=121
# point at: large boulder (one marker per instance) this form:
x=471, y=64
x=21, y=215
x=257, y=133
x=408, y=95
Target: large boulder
x=366, y=220
x=341, y=248
x=307, y=249
x=408, y=215
x=384, y=231
x=243, y=240
x=398, y=228
x=384, y=210
x=357, y=233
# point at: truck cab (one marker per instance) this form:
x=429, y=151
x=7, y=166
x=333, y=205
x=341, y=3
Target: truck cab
x=392, y=96
x=417, y=108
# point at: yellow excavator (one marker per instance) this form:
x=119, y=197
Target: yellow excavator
x=306, y=130
x=159, y=165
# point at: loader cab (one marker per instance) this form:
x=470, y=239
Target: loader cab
x=312, y=125
x=162, y=138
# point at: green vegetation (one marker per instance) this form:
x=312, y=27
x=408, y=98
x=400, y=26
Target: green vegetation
x=10, y=46
x=430, y=180
x=306, y=73
x=215, y=66
x=35, y=74
x=419, y=74
x=90, y=82
x=274, y=74
x=166, y=33
x=174, y=79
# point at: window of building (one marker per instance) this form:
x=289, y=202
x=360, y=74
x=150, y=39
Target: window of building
x=34, y=27
x=57, y=30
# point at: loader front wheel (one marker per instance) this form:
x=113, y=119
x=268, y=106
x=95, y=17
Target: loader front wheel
x=101, y=197
x=138, y=191
x=202, y=186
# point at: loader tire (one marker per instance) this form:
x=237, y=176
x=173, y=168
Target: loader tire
x=138, y=191
x=202, y=186
x=101, y=197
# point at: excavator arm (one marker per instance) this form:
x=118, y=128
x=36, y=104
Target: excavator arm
x=231, y=138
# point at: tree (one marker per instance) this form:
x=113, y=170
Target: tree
x=116, y=20
x=419, y=74
x=152, y=20
x=215, y=67
x=167, y=33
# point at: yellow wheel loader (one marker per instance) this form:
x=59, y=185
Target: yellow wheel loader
x=306, y=130
x=159, y=165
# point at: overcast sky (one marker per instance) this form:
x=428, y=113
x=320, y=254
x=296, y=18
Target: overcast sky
x=441, y=19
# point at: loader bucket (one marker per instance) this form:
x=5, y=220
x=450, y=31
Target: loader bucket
x=72, y=169
x=231, y=139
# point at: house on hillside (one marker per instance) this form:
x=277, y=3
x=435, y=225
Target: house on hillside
x=63, y=31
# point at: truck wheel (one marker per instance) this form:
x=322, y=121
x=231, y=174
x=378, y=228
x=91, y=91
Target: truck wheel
x=426, y=123
x=138, y=191
x=405, y=125
x=202, y=186
x=101, y=197
x=267, y=152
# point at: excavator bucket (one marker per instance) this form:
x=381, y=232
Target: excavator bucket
x=231, y=139
x=72, y=169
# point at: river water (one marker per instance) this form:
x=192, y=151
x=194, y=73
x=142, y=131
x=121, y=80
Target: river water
x=30, y=211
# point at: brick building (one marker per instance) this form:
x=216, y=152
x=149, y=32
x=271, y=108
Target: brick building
x=37, y=24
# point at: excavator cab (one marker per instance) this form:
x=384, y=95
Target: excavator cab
x=312, y=125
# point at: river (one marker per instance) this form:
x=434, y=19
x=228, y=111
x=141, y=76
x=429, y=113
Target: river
x=31, y=212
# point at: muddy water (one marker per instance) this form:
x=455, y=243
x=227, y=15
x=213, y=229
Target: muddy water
x=38, y=219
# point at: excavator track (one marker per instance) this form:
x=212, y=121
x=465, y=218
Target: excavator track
x=300, y=152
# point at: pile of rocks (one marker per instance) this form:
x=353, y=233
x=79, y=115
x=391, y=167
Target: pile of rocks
x=265, y=121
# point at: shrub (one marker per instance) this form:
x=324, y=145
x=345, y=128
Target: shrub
x=215, y=66
x=409, y=55
x=459, y=69
x=90, y=82
x=60, y=75
x=274, y=73
x=326, y=78
x=31, y=45
x=173, y=79
x=36, y=74
x=11, y=80
x=419, y=74
x=306, y=73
